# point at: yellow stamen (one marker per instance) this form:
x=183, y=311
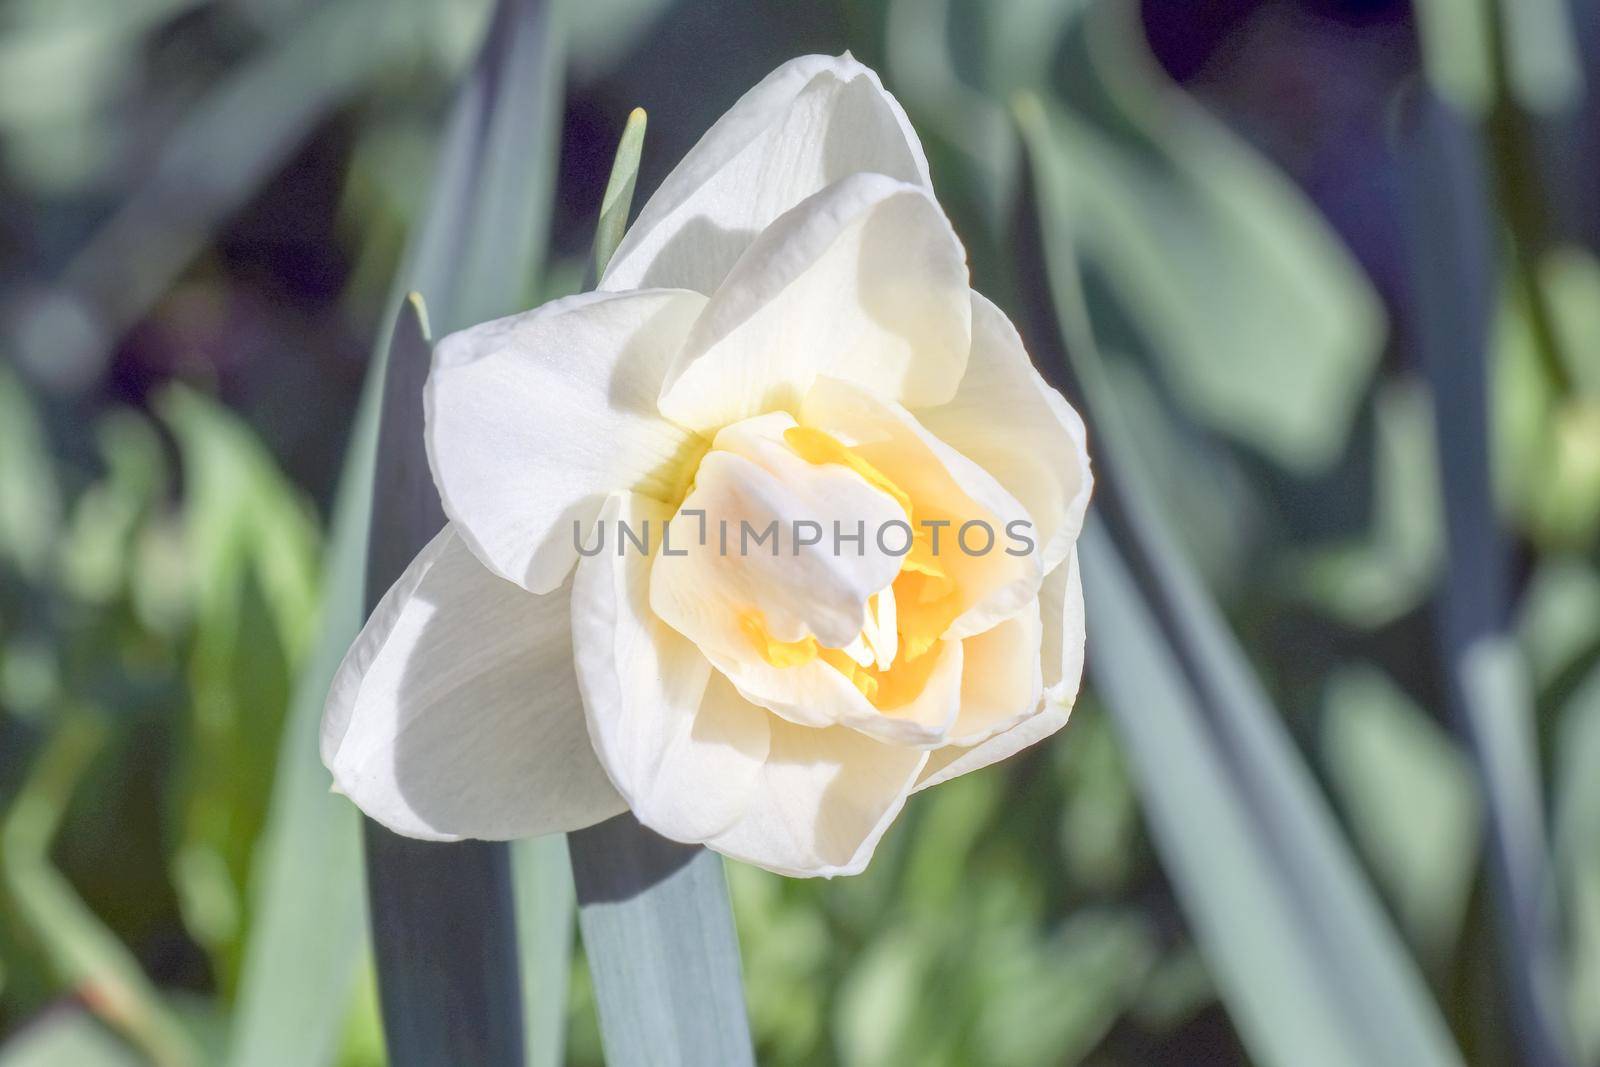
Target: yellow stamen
x=778, y=653
x=863, y=678
x=927, y=607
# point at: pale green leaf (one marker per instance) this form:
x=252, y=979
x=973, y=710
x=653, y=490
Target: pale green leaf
x=1546, y=73
x=1309, y=967
x=661, y=945
x=66, y=1039
x=1456, y=38
x=30, y=501
x=1497, y=706
x=1255, y=313
x=1577, y=847
x=1558, y=619
x=544, y=929
x=1411, y=800
x=1372, y=580
x=251, y=550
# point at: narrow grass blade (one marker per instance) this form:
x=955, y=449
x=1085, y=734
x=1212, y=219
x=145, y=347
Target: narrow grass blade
x=85, y=954
x=656, y=922
x=1453, y=257
x=300, y=958
x=444, y=916
x=1309, y=966
x=618, y=197
x=659, y=935
x=252, y=555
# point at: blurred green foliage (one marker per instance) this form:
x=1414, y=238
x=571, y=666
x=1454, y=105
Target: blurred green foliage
x=215, y=197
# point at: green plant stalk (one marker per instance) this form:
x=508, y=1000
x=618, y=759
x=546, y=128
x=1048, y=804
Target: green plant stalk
x=87, y=955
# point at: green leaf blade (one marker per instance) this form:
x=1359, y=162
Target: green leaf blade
x=1307, y=963
x=660, y=939
x=618, y=198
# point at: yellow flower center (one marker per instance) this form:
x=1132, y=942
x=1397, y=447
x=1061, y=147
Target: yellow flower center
x=889, y=661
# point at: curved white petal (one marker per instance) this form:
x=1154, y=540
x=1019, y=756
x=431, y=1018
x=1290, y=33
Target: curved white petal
x=811, y=122
x=865, y=281
x=1061, y=607
x=954, y=761
x=683, y=759
x=456, y=713
x=533, y=419
x=1011, y=423
x=823, y=800
x=944, y=486
x=1002, y=679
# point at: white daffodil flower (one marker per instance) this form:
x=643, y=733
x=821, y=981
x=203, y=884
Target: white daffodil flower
x=785, y=350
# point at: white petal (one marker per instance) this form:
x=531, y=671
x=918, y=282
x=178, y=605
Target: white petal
x=953, y=761
x=865, y=281
x=808, y=124
x=533, y=419
x=1061, y=606
x=1013, y=425
x=1002, y=678
x=943, y=485
x=684, y=759
x=456, y=713
x=823, y=800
